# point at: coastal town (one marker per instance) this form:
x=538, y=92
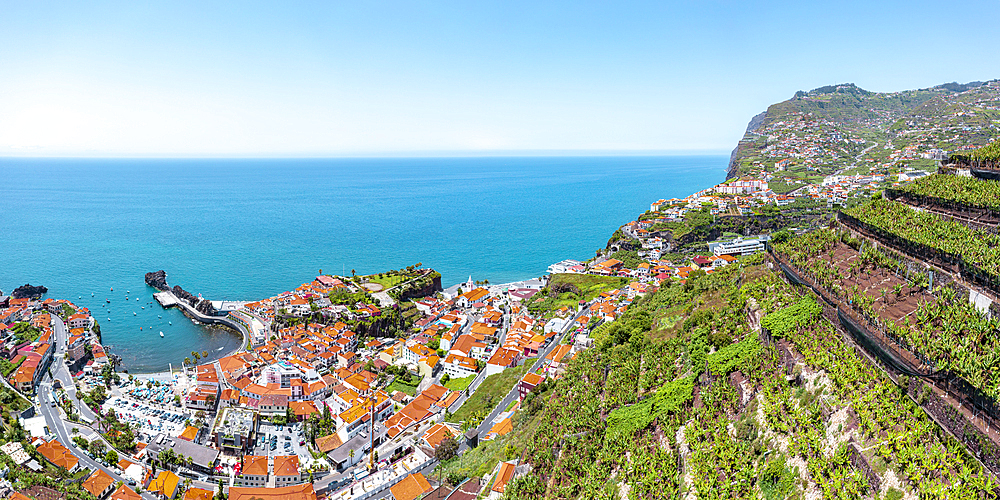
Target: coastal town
x=353, y=386
x=310, y=407
x=346, y=387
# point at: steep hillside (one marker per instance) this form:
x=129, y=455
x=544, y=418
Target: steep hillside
x=843, y=128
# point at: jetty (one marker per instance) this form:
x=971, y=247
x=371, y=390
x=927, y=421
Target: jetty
x=167, y=299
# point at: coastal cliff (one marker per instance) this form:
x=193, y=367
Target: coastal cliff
x=738, y=151
x=422, y=287
x=828, y=129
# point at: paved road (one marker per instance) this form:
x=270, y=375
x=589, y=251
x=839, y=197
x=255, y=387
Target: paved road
x=58, y=427
x=487, y=423
x=61, y=372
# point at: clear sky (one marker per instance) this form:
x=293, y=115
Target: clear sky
x=345, y=77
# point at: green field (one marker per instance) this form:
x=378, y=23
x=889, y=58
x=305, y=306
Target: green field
x=396, y=385
x=492, y=390
x=460, y=384
x=388, y=280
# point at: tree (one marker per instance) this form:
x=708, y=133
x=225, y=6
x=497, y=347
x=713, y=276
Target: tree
x=111, y=457
x=187, y=361
x=446, y=449
x=204, y=354
x=221, y=493
x=97, y=447
x=352, y=451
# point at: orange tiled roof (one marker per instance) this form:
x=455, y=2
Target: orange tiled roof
x=410, y=487
x=303, y=491
x=98, y=482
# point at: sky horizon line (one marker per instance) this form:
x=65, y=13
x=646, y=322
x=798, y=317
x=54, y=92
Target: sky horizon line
x=388, y=154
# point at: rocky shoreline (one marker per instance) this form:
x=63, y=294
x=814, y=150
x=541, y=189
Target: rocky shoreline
x=27, y=291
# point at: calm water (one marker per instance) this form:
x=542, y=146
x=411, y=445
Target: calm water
x=247, y=229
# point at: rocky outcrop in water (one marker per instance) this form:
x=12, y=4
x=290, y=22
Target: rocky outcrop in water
x=158, y=280
x=27, y=291
x=205, y=307
x=184, y=295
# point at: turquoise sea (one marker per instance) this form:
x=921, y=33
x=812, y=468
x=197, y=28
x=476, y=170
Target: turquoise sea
x=246, y=229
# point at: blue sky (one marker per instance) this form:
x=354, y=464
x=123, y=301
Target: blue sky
x=344, y=78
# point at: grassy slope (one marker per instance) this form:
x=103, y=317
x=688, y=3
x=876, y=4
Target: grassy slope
x=460, y=384
x=492, y=390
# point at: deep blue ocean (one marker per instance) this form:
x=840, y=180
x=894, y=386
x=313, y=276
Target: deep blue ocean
x=246, y=229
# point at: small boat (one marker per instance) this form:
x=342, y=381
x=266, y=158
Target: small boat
x=161, y=334
x=133, y=313
x=91, y=294
x=143, y=307
x=170, y=322
x=112, y=289
x=107, y=300
x=140, y=328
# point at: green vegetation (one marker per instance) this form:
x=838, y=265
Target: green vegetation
x=979, y=193
x=486, y=397
x=664, y=375
x=629, y=258
x=404, y=381
x=459, y=384
x=343, y=297
x=989, y=152
x=7, y=367
x=24, y=332
x=625, y=421
x=388, y=280
x=569, y=289
x=120, y=434
x=781, y=323
x=975, y=247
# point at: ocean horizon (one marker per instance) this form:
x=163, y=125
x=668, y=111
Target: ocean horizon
x=245, y=229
